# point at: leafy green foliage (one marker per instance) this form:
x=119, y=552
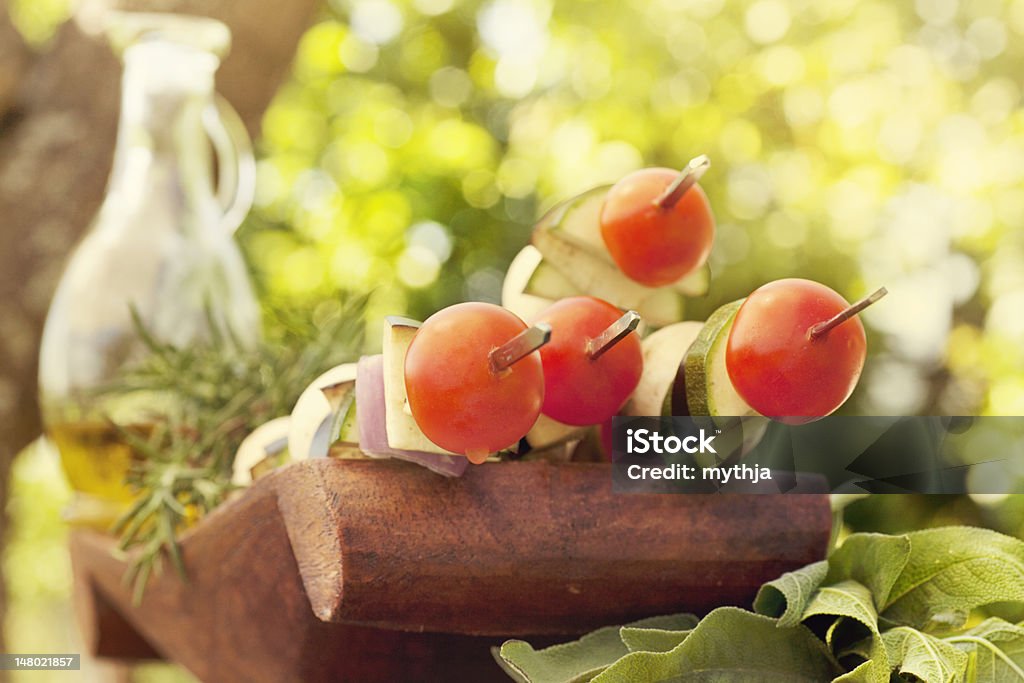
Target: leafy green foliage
x=852, y=142
x=731, y=644
x=953, y=570
x=582, y=659
x=923, y=656
x=847, y=599
x=222, y=389
x=997, y=650
x=875, y=560
x=657, y=639
x=881, y=607
x=788, y=595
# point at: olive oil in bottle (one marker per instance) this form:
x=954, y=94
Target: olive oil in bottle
x=96, y=457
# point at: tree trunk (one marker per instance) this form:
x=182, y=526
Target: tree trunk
x=14, y=61
x=58, y=114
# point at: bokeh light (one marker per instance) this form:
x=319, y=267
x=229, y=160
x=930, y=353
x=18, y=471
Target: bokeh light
x=858, y=143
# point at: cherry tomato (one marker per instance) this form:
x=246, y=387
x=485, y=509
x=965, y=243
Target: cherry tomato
x=774, y=364
x=455, y=398
x=579, y=390
x=651, y=244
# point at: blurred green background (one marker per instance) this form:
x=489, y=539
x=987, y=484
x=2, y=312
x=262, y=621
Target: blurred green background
x=855, y=143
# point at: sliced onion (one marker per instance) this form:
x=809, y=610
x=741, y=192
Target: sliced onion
x=372, y=416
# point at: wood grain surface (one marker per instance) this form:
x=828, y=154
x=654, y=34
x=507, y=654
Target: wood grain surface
x=334, y=570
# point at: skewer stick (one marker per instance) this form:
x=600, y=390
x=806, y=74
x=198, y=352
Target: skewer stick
x=615, y=333
x=519, y=347
x=822, y=328
x=686, y=179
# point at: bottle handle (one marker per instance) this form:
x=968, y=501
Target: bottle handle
x=236, y=166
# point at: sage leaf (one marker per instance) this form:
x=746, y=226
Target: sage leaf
x=873, y=560
x=869, y=657
x=951, y=571
x=845, y=599
x=732, y=645
x=649, y=639
x=581, y=659
x=998, y=648
x=787, y=596
x=851, y=600
x=867, y=672
x=919, y=654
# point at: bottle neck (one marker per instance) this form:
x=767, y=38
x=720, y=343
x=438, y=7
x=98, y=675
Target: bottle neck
x=162, y=149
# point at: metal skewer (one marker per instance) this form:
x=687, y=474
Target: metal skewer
x=519, y=346
x=687, y=178
x=819, y=329
x=615, y=333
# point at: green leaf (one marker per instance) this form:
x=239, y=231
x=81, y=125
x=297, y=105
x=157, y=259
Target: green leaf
x=787, y=596
x=850, y=600
x=581, y=659
x=998, y=648
x=951, y=571
x=869, y=657
x=924, y=579
x=845, y=599
x=650, y=639
x=573, y=662
x=915, y=653
x=731, y=644
x=873, y=560
x=867, y=672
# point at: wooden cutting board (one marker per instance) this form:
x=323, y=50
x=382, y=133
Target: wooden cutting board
x=337, y=570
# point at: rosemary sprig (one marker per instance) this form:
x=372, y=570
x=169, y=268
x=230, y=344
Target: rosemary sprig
x=222, y=391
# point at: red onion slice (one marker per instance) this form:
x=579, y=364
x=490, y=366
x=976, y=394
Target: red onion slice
x=373, y=434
